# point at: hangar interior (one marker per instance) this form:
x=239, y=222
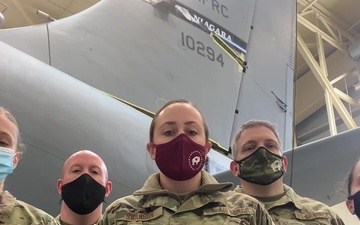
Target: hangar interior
x=326, y=85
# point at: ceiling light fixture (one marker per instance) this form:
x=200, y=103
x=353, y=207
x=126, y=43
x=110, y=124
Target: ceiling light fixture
x=2, y=17
x=44, y=15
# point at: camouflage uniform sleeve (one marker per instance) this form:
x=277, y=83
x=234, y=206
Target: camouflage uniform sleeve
x=24, y=213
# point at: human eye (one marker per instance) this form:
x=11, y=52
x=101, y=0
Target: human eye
x=168, y=132
x=75, y=170
x=192, y=132
x=95, y=171
x=272, y=146
x=3, y=143
x=249, y=148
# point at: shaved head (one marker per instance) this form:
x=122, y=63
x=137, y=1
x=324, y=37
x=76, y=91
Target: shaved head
x=80, y=163
x=75, y=159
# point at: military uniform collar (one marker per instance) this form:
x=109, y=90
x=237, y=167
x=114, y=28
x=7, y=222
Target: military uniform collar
x=292, y=196
x=153, y=195
x=58, y=219
x=209, y=184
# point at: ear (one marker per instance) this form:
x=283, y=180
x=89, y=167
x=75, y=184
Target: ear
x=234, y=167
x=285, y=163
x=16, y=159
x=350, y=206
x=108, y=188
x=207, y=147
x=59, y=186
x=151, y=149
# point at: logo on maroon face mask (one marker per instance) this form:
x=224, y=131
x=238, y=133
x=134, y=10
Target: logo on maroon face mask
x=181, y=158
x=196, y=160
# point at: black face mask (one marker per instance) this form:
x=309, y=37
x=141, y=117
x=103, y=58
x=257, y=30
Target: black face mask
x=356, y=198
x=83, y=195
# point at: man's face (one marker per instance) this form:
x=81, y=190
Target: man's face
x=253, y=138
x=355, y=186
x=250, y=140
x=85, y=162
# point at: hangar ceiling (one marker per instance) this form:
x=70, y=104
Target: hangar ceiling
x=326, y=81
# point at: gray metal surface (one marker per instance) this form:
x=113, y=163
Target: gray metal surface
x=144, y=55
x=270, y=54
x=139, y=53
x=59, y=115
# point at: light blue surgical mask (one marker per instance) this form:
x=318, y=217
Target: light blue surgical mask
x=6, y=162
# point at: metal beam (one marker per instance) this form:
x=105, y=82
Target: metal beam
x=324, y=82
x=332, y=19
x=326, y=24
x=347, y=98
x=324, y=74
x=309, y=5
x=330, y=114
x=324, y=35
x=354, y=25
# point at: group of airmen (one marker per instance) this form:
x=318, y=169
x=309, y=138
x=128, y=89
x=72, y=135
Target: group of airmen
x=182, y=192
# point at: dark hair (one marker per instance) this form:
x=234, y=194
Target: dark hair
x=152, y=125
x=350, y=177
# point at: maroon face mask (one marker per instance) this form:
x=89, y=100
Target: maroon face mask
x=181, y=158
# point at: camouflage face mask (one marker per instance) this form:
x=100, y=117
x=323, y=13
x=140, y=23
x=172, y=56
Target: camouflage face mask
x=261, y=167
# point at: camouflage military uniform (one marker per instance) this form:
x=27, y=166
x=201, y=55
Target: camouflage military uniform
x=64, y=223
x=15, y=212
x=207, y=205
x=290, y=208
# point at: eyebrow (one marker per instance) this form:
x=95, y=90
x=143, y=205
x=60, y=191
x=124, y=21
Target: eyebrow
x=266, y=141
x=174, y=123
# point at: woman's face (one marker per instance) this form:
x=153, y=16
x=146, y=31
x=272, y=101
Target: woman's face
x=176, y=119
x=9, y=136
x=8, y=133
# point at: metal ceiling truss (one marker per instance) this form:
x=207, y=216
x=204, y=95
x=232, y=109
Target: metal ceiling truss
x=339, y=38
x=332, y=98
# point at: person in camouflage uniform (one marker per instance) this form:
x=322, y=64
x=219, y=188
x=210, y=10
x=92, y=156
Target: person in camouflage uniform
x=13, y=211
x=182, y=193
x=260, y=164
x=85, y=174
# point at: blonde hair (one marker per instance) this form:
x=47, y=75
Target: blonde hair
x=20, y=145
